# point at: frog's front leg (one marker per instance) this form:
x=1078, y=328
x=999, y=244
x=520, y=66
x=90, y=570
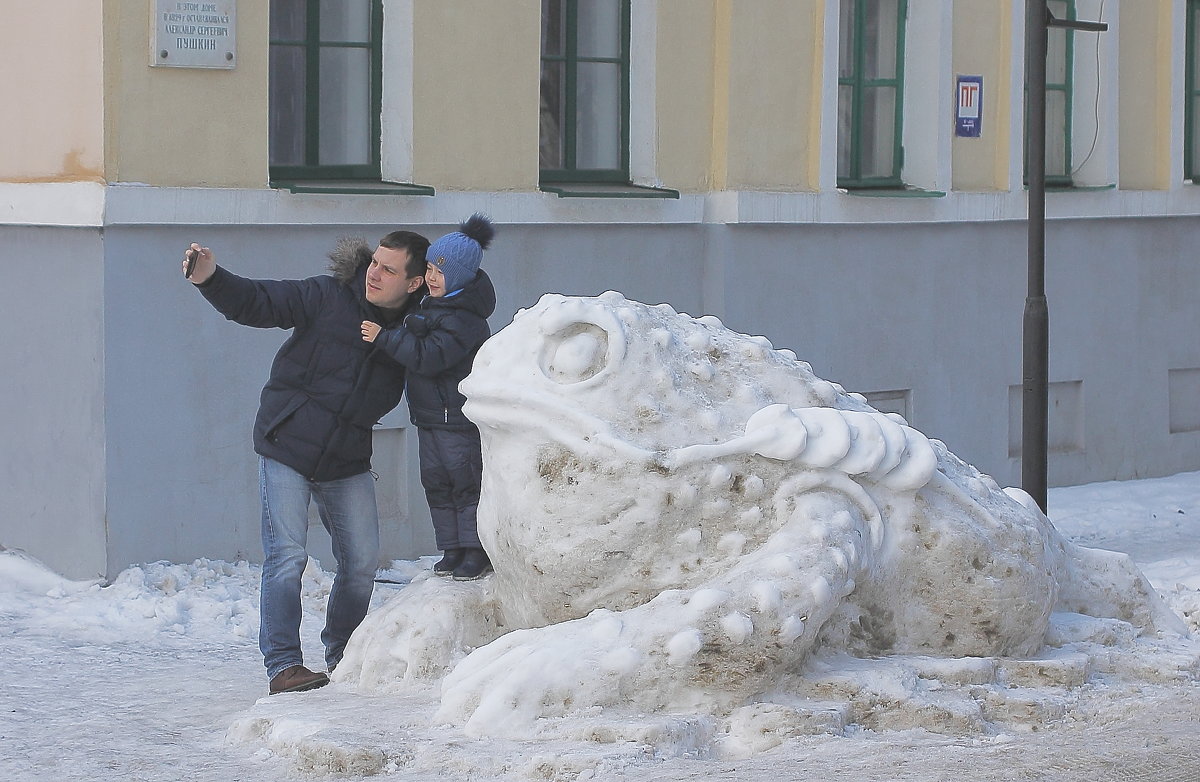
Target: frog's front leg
x=419, y=635
x=706, y=648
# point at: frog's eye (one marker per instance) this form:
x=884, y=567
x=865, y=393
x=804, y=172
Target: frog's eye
x=575, y=353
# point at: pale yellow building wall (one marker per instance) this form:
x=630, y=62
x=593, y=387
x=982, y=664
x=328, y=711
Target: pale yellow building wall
x=737, y=96
x=51, y=57
x=476, y=91
x=184, y=126
x=689, y=53
x=983, y=37
x=1145, y=94
x=774, y=106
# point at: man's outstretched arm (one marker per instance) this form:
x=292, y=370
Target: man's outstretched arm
x=259, y=303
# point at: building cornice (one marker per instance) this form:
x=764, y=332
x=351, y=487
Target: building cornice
x=88, y=204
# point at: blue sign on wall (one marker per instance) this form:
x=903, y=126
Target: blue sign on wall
x=969, y=117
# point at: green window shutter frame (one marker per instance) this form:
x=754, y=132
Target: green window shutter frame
x=859, y=85
x=1062, y=177
x=1191, y=165
x=1059, y=138
x=311, y=168
x=570, y=59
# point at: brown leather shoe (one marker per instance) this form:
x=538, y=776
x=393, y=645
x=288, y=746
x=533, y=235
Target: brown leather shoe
x=297, y=679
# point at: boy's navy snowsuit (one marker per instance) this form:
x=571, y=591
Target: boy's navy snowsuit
x=437, y=344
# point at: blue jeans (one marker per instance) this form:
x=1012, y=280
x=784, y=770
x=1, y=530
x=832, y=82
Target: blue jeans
x=348, y=511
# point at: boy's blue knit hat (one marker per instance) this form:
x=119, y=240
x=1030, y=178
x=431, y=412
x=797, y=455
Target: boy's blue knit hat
x=457, y=255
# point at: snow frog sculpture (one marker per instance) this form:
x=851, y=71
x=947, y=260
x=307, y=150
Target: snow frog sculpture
x=679, y=515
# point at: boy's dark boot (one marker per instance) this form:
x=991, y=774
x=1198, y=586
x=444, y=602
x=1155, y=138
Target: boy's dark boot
x=297, y=679
x=451, y=559
x=475, y=565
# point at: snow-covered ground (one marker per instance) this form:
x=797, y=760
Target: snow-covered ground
x=157, y=676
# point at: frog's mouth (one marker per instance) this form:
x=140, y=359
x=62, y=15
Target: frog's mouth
x=529, y=414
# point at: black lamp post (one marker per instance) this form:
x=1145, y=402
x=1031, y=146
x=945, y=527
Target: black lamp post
x=1036, y=341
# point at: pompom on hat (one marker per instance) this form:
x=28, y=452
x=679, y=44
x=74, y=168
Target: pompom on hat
x=457, y=255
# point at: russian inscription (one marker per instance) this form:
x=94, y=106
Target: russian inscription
x=195, y=34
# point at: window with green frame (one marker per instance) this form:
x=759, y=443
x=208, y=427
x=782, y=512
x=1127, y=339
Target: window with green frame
x=585, y=91
x=1191, y=124
x=1060, y=70
x=325, y=89
x=870, y=93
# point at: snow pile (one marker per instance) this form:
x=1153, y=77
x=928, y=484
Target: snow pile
x=24, y=576
x=201, y=599
x=422, y=636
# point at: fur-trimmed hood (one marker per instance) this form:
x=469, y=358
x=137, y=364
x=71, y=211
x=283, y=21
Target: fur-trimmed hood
x=348, y=257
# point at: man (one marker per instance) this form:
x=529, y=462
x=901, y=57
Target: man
x=326, y=391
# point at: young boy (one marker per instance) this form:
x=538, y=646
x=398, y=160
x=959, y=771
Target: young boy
x=437, y=344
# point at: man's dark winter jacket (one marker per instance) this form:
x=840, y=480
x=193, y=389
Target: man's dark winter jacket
x=327, y=387
x=437, y=344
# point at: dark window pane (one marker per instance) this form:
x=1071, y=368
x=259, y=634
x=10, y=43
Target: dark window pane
x=288, y=20
x=1056, y=133
x=1192, y=154
x=845, y=126
x=1056, y=56
x=553, y=123
x=344, y=128
x=598, y=116
x=877, y=142
x=1195, y=47
x=1195, y=139
x=346, y=21
x=599, y=29
x=553, y=28
x=287, y=105
x=846, y=40
x=880, y=36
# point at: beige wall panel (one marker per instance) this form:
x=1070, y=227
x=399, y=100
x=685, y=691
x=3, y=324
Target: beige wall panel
x=1145, y=94
x=52, y=91
x=476, y=94
x=184, y=126
x=688, y=45
x=982, y=36
x=775, y=94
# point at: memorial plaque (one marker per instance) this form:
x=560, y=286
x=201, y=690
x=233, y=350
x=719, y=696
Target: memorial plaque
x=200, y=34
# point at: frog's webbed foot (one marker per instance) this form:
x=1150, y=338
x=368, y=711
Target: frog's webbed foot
x=705, y=648
x=419, y=635
x=502, y=688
